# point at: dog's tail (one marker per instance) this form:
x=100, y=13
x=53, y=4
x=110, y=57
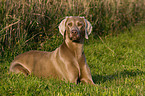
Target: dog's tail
x=18, y=67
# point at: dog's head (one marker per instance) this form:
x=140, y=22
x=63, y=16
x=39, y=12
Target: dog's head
x=76, y=27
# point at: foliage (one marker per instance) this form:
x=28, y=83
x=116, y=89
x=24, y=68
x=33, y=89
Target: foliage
x=26, y=23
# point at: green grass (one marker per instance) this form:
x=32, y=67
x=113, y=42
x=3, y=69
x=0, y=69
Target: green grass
x=116, y=63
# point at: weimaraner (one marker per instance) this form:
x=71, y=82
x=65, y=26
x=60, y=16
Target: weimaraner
x=67, y=62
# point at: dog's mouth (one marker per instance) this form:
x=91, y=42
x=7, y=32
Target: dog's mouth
x=75, y=38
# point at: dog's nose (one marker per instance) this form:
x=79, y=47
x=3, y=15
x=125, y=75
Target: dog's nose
x=74, y=32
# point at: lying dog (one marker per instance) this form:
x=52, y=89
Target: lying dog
x=67, y=62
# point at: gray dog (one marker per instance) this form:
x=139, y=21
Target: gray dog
x=67, y=62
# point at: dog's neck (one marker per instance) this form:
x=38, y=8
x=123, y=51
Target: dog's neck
x=75, y=48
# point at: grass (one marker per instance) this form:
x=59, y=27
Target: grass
x=32, y=22
x=116, y=58
x=116, y=63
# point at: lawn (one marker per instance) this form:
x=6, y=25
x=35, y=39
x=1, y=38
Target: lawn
x=116, y=63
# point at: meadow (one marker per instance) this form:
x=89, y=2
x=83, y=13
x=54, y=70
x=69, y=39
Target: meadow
x=117, y=67
x=114, y=52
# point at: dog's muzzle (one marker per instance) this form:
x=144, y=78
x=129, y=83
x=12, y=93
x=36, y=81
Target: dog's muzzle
x=75, y=35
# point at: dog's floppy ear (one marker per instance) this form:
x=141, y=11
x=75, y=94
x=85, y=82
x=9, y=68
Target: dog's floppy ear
x=62, y=26
x=88, y=28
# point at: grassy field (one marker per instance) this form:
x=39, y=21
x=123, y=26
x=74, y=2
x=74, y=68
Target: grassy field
x=116, y=63
x=116, y=57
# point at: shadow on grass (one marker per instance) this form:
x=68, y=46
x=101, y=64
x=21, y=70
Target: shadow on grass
x=123, y=74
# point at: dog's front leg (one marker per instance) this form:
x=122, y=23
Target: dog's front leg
x=86, y=75
x=85, y=72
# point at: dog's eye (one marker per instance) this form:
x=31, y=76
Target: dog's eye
x=70, y=24
x=79, y=24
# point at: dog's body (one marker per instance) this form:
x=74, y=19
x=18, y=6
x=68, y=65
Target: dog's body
x=67, y=62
